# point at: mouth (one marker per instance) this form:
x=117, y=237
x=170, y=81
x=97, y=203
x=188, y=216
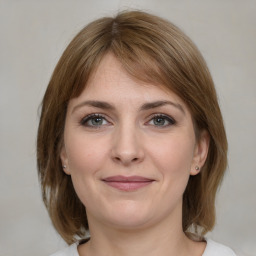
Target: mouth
x=126, y=183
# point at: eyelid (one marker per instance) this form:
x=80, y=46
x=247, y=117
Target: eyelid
x=83, y=121
x=170, y=119
x=93, y=115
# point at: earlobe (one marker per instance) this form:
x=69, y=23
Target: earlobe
x=64, y=160
x=200, y=153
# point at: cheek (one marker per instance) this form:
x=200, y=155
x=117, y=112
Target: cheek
x=177, y=149
x=173, y=157
x=84, y=153
x=86, y=157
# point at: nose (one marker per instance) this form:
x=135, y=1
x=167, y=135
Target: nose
x=127, y=147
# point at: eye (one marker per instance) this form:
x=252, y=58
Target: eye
x=94, y=120
x=161, y=121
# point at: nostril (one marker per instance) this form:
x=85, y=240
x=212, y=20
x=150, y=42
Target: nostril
x=118, y=158
x=126, y=160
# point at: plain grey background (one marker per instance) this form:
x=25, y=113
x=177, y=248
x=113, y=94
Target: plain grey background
x=34, y=35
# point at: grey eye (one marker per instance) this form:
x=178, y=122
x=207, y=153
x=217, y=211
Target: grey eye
x=94, y=120
x=161, y=121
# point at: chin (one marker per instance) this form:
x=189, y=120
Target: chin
x=129, y=222
x=129, y=215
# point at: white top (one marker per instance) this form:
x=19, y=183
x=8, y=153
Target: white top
x=212, y=249
x=216, y=249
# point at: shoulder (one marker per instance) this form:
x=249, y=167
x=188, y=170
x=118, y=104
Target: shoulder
x=69, y=251
x=216, y=249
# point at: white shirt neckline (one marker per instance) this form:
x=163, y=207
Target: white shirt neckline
x=212, y=249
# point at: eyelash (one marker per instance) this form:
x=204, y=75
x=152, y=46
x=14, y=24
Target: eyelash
x=169, y=119
x=85, y=120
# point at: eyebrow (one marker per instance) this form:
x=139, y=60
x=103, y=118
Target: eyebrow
x=161, y=103
x=145, y=106
x=94, y=103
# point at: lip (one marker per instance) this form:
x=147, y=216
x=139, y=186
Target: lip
x=127, y=183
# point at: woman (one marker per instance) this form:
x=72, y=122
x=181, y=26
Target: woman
x=131, y=144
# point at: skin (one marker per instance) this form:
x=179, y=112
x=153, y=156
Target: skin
x=127, y=139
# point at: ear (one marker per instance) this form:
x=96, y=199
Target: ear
x=200, y=152
x=64, y=160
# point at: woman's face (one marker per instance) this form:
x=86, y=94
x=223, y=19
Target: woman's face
x=130, y=148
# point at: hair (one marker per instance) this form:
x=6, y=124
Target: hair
x=152, y=50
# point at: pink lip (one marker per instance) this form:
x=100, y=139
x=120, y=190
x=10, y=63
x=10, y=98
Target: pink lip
x=125, y=183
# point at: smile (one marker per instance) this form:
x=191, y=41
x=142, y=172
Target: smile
x=131, y=183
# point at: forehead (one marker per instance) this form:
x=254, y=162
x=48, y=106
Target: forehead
x=111, y=82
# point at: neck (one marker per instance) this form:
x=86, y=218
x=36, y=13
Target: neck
x=165, y=238
x=136, y=243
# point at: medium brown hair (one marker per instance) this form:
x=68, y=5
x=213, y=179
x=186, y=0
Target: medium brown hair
x=150, y=49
